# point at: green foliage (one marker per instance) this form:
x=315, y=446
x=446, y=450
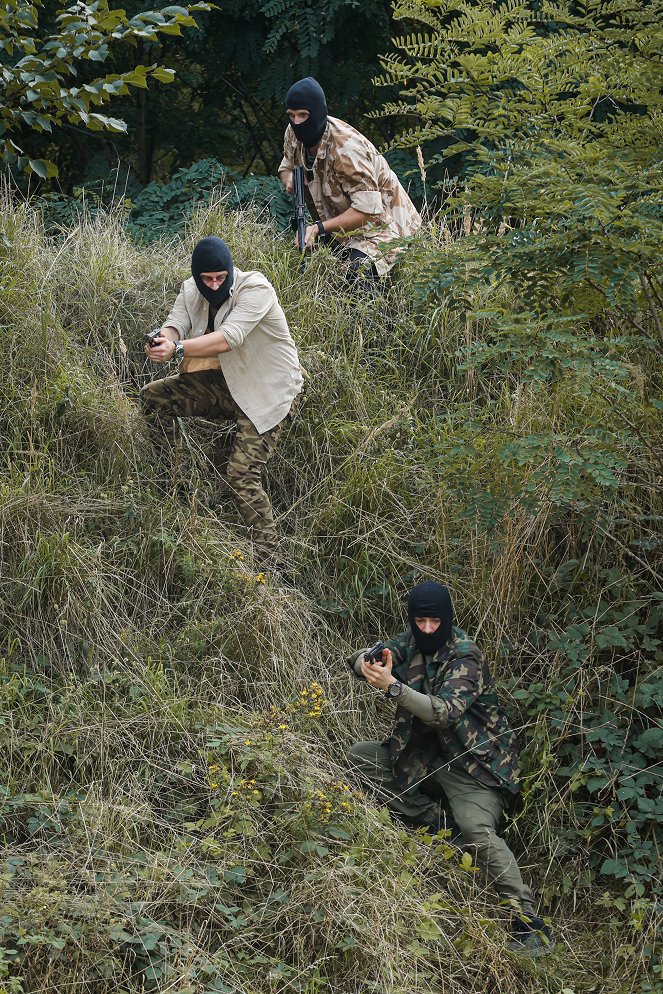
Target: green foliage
x=40, y=90
x=607, y=753
x=161, y=210
x=556, y=110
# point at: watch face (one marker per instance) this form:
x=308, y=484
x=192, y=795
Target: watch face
x=395, y=689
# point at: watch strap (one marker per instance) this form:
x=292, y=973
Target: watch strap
x=321, y=228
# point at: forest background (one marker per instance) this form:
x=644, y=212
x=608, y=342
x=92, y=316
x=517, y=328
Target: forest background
x=176, y=811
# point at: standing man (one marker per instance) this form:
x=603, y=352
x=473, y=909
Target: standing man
x=238, y=362
x=359, y=199
x=450, y=733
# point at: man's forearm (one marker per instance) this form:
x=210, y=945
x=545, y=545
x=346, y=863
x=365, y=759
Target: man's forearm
x=420, y=705
x=349, y=220
x=205, y=346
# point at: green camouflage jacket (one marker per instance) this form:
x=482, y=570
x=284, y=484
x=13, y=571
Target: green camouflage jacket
x=469, y=729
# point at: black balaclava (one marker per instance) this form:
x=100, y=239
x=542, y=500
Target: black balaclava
x=430, y=600
x=307, y=94
x=212, y=255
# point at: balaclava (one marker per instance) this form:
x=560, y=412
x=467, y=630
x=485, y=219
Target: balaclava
x=212, y=255
x=307, y=94
x=430, y=600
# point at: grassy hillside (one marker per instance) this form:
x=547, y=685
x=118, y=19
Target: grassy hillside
x=176, y=809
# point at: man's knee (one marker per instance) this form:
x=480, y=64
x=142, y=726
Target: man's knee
x=370, y=758
x=356, y=754
x=154, y=399
x=477, y=822
x=146, y=397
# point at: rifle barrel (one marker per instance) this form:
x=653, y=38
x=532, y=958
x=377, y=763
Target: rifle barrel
x=300, y=207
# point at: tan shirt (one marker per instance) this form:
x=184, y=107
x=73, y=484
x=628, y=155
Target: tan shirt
x=350, y=172
x=262, y=368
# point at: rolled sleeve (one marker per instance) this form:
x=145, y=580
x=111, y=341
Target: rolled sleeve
x=179, y=318
x=246, y=314
x=358, y=174
x=367, y=201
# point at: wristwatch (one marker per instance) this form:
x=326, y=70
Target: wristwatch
x=321, y=228
x=178, y=353
x=394, y=689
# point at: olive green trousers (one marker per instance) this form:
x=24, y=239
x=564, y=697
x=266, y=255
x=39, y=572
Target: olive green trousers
x=476, y=809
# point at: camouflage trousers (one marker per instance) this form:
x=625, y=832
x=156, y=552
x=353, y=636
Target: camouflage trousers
x=476, y=809
x=205, y=394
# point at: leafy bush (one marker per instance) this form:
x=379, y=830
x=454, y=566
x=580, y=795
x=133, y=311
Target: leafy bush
x=37, y=91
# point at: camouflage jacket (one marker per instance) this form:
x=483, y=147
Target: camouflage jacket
x=469, y=727
x=350, y=172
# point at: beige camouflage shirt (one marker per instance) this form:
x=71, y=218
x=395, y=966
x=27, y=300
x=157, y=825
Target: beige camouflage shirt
x=350, y=172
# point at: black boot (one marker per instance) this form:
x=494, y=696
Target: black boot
x=531, y=935
x=444, y=822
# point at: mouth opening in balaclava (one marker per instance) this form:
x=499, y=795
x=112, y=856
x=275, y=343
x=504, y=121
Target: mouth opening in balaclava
x=212, y=255
x=307, y=94
x=430, y=600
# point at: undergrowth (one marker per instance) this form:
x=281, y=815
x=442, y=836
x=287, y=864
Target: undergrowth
x=176, y=810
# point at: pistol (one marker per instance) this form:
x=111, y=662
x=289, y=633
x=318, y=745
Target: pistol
x=374, y=655
x=150, y=336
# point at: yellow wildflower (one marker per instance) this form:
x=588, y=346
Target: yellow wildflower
x=261, y=578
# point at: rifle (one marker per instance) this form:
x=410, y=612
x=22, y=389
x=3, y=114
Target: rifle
x=299, y=214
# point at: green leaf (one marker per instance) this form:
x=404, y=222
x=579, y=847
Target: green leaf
x=309, y=846
x=235, y=875
x=338, y=833
x=163, y=75
x=42, y=167
x=650, y=742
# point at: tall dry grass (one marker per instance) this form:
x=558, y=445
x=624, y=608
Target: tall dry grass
x=140, y=649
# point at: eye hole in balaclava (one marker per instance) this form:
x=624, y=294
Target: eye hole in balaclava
x=307, y=94
x=430, y=600
x=212, y=255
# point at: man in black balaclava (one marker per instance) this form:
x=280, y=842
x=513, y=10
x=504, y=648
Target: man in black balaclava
x=451, y=742
x=212, y=255
x=308, y=95
x=238, y=363
x=360, y=202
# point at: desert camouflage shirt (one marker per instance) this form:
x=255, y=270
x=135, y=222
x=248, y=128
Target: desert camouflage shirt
x=350, y=172
x=469, y=727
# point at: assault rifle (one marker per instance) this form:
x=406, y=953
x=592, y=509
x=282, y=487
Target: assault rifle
x=299, y=214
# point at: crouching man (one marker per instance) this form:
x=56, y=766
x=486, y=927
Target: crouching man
x=238, y=362
x=450, y=735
